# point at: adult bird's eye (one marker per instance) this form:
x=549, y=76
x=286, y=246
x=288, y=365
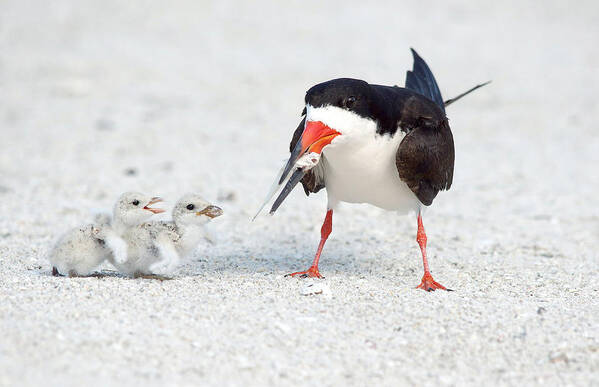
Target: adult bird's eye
x=135, y=202
x=190, y=207
x=350, y=101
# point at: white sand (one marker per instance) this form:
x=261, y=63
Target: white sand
x=192, y=97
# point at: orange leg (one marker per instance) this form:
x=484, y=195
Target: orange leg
x=427, y=283
x=325, y=231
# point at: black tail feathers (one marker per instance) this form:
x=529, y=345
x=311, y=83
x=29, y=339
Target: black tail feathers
x=422, y=80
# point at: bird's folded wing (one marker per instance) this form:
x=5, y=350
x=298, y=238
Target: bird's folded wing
x=310, y=179
x=425, y=156
x=117, y=246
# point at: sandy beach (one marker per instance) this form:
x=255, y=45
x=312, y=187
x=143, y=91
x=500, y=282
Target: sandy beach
x=99, y=98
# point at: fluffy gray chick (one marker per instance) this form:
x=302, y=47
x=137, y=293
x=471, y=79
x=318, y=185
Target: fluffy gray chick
x=157, y=247
x=82, y=249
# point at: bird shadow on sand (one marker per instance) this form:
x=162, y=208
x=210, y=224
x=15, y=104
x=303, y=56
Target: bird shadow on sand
x=112, y=274
x=278, y=265
x=274, y=263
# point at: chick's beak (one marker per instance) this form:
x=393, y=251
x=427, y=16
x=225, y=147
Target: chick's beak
x=154, y=200
x=211, y=211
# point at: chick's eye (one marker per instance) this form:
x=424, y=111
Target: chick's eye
x=135, y=202
x=190, y=207
x=350, y=101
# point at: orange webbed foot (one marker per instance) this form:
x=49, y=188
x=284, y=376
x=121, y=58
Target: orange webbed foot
x=429, y=284
x=312, y=272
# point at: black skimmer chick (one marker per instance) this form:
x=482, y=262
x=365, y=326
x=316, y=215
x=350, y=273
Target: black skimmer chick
x=388, y=146
x=157, y=247
x=81, y=250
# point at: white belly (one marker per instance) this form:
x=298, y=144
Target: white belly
x=365, y=172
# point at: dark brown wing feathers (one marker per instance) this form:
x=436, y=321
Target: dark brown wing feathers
x=309, y=181
x=425, y=156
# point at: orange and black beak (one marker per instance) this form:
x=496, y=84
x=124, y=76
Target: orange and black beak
x=315, y=137
x=154, y=200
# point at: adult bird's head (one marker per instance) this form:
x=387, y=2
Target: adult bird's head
x=336, y=112
x=337, y=108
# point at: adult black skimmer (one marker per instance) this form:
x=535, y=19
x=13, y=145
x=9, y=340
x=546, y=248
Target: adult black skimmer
x=388, y=146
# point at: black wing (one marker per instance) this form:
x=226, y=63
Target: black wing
x=425, y=156
x=422, y=81
x=310, y=181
